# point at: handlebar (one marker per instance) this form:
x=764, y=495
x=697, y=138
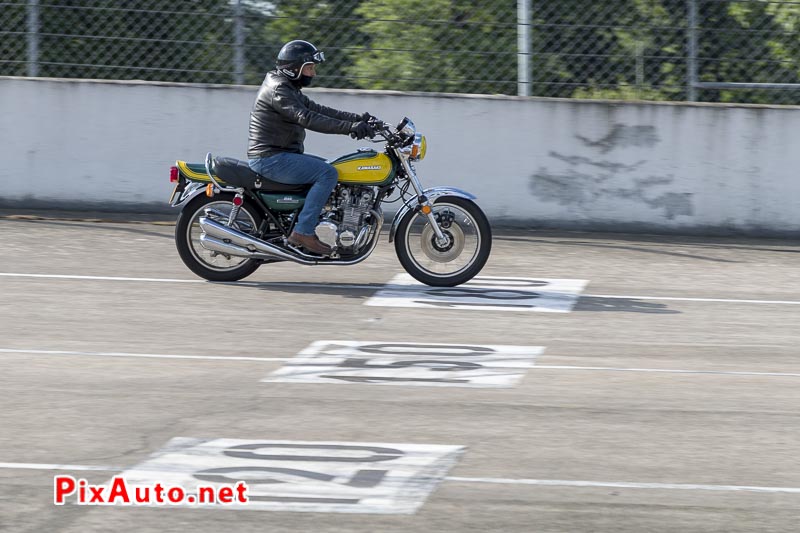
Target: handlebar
x=386, y=131
x=381, y=128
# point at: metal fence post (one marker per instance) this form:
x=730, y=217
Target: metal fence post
x=691, y=64
x=33, y=38
x=524, y=47
x=238, y=47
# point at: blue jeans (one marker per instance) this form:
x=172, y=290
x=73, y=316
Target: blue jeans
x=297, y=169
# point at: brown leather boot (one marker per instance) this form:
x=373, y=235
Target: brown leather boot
x=310, y=243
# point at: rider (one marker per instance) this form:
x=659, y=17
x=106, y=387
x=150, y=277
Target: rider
x=278, y=122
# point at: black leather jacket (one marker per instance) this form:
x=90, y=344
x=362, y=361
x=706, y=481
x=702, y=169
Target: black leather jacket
x=281, y=115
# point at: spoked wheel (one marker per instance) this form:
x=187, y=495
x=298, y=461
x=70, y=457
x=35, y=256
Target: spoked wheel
x=450, y=263
x=214, y=266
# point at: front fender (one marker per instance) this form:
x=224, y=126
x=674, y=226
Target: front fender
x=431, y=194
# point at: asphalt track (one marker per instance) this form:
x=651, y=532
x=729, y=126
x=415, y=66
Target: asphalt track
x=660, y=395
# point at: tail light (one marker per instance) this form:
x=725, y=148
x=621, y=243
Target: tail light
x=173, y=174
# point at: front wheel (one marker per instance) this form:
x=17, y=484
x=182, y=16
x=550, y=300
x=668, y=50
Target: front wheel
x=214, y=266
x=469, y=239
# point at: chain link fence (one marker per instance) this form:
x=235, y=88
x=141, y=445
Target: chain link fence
x=704, y=50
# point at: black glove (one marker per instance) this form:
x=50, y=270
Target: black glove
x=359, y=130
x=366, y=117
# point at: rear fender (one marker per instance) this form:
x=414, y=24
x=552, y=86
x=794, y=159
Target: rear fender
x=193, y=180
x=191, y=190
x=431, y=194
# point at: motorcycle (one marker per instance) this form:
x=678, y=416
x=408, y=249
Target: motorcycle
x=234, y=220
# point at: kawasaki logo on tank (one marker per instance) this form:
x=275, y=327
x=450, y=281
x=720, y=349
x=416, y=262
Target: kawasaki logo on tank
x=372, y=167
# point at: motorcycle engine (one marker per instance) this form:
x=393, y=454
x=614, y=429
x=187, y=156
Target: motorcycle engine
x=344, y=224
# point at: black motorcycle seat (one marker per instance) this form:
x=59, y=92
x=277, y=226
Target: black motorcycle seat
x=239, y=174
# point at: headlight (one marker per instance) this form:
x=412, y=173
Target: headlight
x=406, y=128
x=419, y=147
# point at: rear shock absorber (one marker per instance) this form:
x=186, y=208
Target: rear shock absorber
x=238, y=200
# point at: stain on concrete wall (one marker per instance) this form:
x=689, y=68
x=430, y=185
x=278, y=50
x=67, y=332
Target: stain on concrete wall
x=604, y=165
x=622, y=136
x=589, y=180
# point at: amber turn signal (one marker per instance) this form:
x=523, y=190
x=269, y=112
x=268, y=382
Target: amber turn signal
x=210, y=190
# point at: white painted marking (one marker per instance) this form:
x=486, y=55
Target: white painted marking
x=344, y=477
x=488, y=480
x=484, y=293
x=406, y=363
x=623, y=485
x=398, y=288
x=142, y=355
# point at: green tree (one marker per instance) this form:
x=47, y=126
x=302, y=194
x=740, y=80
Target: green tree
x=622, y=49
x=165, y=40
x=439, y=45
x=333, y=26
x=403, y=55
x=13, y=42
x=580, y=48
x=754, y=42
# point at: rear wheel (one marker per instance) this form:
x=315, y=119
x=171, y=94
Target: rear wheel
x=214, y=266
x=461, y=258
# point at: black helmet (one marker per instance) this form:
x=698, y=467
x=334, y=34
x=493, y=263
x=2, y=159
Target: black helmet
x=295, y=55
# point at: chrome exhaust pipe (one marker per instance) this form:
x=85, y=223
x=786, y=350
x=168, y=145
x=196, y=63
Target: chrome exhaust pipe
x=215, y=245
x=219, y=238
x=230, y=241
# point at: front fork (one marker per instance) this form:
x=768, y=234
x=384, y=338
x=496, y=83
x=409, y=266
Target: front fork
x=424, y=205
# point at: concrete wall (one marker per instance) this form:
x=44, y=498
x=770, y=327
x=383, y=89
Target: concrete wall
x=531, y=162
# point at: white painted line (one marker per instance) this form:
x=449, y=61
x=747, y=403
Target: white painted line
x=99, y=278
x=488, y=480
x=622, y=485
x=676, y=299
x=142, y=355
x=172, y=280
x=369, y=287
x=77, y=468
x=664, y=342
x=537, y=351
x=665, y=371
